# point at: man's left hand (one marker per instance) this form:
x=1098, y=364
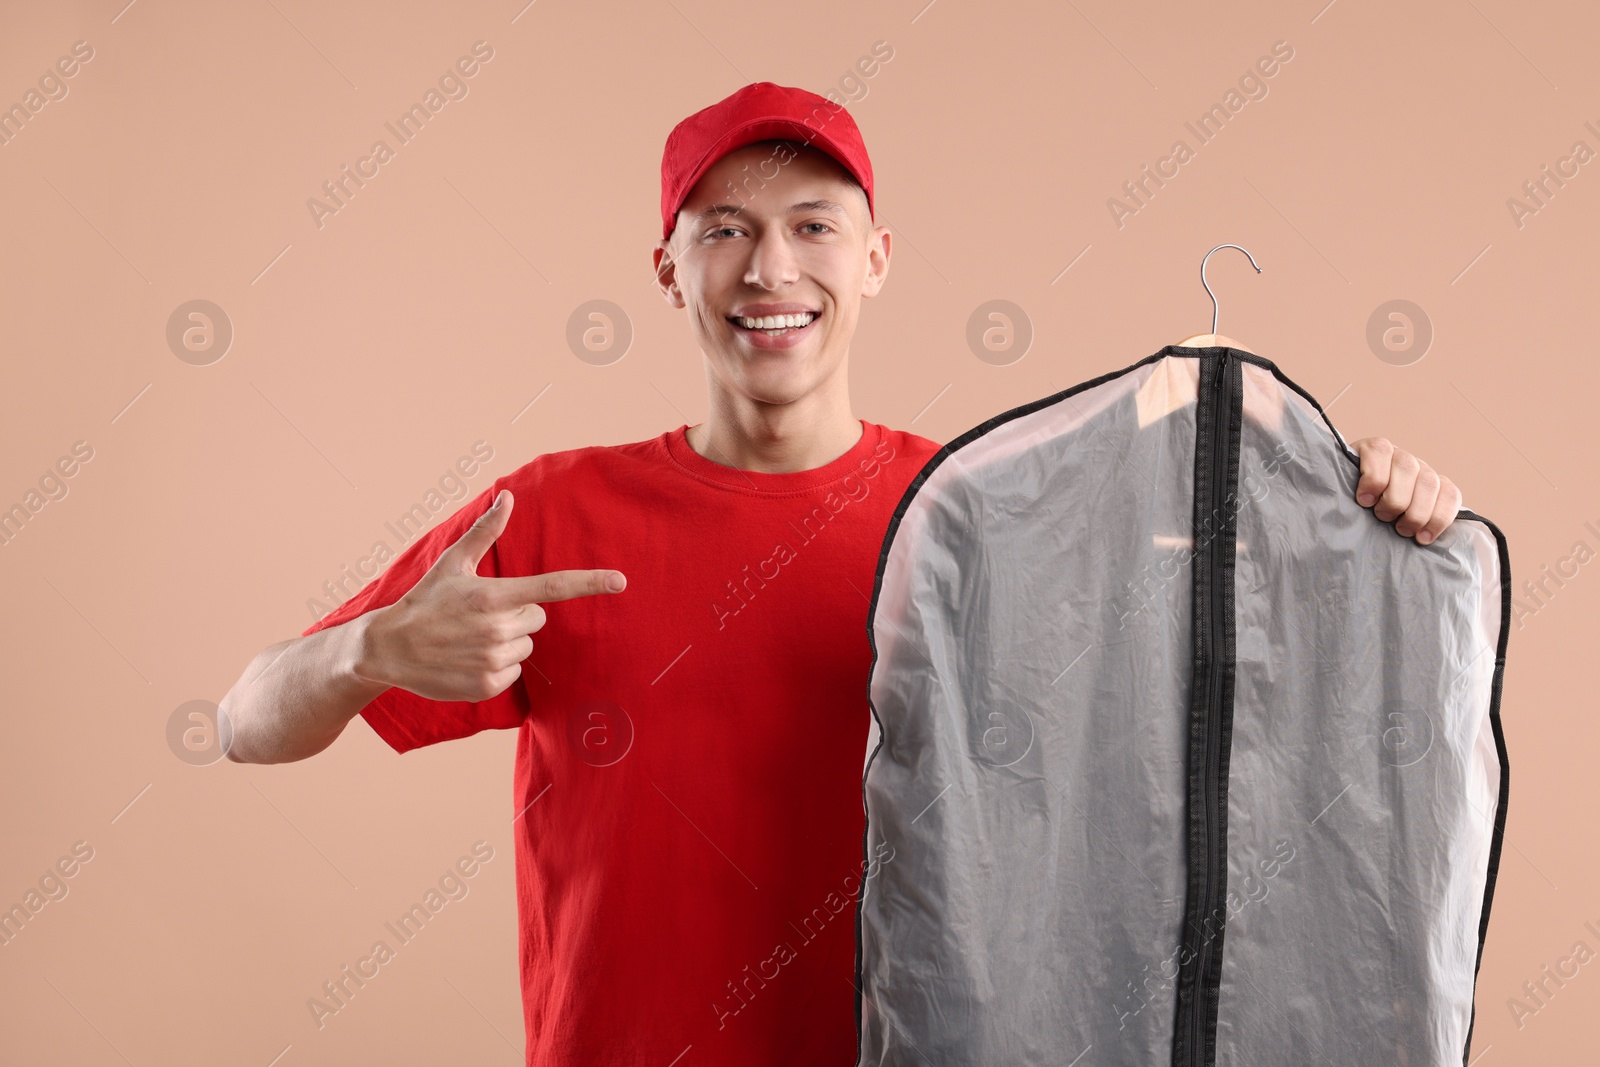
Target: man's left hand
x=1402, y=489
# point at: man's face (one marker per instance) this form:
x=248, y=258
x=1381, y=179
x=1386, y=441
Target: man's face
x=771, y=231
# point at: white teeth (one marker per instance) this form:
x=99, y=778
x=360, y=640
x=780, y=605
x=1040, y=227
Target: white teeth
x=777, y=322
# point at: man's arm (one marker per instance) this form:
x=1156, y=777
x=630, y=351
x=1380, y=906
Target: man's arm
x=297, y=696
x=1401, y=489
x=453, y=636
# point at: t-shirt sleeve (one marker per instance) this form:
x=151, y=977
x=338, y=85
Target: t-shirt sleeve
x=402, y=718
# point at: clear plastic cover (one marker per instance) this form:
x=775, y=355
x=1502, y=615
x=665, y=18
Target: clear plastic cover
x=1027, y=783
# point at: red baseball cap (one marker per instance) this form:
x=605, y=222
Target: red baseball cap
x=760, y=111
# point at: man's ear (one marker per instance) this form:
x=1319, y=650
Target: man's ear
x=878, y=248
x=666, y=269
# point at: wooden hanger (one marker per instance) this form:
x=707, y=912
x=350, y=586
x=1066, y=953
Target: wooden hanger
x=1212, y=340
x=1174, y=382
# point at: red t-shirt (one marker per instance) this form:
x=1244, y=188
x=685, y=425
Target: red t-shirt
x=690, y=751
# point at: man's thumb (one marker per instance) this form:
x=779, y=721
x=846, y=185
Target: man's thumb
x=470, y=547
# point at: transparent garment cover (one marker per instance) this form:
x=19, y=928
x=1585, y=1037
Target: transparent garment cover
x=1030, y=766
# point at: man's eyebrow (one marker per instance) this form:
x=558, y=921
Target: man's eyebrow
x=817, y=205
x=717, y=211
x=724, y=210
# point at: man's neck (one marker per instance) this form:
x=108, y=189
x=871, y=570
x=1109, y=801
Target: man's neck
x=772, y=439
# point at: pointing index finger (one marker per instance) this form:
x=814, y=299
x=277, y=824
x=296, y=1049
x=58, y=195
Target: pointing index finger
x=559, y=585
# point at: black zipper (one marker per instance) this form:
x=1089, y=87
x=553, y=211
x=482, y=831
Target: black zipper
x=1211, y=725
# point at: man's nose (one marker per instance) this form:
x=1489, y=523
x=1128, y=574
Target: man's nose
x=772, y=261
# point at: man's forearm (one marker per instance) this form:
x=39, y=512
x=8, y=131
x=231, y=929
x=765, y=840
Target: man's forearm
x=297, y=696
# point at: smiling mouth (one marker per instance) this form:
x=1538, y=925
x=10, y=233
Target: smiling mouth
x=775, y=325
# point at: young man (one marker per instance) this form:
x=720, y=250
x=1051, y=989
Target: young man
x=691, y=736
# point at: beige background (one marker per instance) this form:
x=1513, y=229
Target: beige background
x=372, y=352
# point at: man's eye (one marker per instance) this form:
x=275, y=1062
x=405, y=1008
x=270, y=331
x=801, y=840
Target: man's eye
x=824, y=225
x=722, y=230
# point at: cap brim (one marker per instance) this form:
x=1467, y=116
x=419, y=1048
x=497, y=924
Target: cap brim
x=762, y=130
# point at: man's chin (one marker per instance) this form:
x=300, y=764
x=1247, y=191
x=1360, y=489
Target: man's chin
x=769, y=377
x=773, y=395
x=776, y=385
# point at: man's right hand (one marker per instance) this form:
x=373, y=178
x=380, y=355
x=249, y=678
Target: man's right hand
x=457, y=636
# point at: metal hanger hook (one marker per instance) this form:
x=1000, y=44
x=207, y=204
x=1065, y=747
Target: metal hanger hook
x=1216, y=309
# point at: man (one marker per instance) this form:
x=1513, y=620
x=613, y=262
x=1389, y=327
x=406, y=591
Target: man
x=691, y=736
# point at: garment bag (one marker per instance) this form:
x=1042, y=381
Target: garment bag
x=1179, y=755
